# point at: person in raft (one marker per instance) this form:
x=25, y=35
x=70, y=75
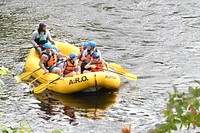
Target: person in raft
x=48, y=59
x=41, y=36
x=71, y=67
x=97, y=64
x=87, y=55
x=60, y=60
x=82, y=48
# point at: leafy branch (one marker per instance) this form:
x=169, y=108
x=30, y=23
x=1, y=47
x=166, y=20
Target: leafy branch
x=182, y=110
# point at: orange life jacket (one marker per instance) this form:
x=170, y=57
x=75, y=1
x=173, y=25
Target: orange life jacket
x=51, y=59
x=88, y=56
x=70, y=67
x=98, y=64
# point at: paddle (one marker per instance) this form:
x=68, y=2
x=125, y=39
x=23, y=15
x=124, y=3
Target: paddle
x=129, y=76
x=30, y=83
x=117, y=68
x=25, y=75
x=42, y=87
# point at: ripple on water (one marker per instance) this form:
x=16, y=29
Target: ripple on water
x=156, y=40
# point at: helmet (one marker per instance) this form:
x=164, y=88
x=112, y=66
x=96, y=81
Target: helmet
x=85, y=45
x=72, y=55
x=41, y=25
x=96, y=55
x=92, y=43
x=55, y=48
x=47, y=45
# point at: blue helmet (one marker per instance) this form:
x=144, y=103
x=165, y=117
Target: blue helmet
x=96, y=55
x=55, y=48
x=72, y=55
x=92, y=43
x=47, y=45
x=85, y=45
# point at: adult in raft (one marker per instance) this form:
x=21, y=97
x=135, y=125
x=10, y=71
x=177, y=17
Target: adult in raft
x=71, y=67
x=87, y=55
x=97, y=64
x=41, y=36
x=48, y=59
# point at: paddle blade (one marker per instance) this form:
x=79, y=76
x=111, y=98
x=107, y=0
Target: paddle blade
x=130, y=76
x=18, y=80
x=40, y=88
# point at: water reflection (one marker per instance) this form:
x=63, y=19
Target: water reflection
x=69, y=107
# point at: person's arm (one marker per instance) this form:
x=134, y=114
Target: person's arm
x=77, y=67
x=62, y=55
x=89, y=65
x=99, y=53
x=83, y=55
x=49, y=37
x=105, y=64
x=33, y=37
x=41, y=63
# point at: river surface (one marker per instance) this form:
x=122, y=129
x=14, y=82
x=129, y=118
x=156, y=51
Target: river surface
x=158, y=40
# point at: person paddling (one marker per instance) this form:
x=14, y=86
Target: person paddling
x=41, y=36
x=71, y=67
x=48, y=60
x=97, y=64
x=87, y=54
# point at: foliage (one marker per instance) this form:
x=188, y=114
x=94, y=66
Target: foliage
x=182, y=110
x=24, y=128
x=3, y=71
x=57, y=131
x=24, y=124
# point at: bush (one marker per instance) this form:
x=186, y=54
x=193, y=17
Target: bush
x=182, y=110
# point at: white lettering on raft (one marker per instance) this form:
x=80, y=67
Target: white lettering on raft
x=110, y=76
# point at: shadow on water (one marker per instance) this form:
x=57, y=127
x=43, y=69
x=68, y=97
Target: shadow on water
x=71, y=106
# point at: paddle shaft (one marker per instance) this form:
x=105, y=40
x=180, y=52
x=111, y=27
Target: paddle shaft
x=117, y=67
x=43, y=73
x=129, y=77
x=26, y=74
x=42, y=87
x=36, y=78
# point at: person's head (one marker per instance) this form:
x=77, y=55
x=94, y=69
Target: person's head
x=55, y=48
x=96, y=56
x=42, y=27
x=47, y=46
x=85, y=45
x=91, y=45
x=73, y=56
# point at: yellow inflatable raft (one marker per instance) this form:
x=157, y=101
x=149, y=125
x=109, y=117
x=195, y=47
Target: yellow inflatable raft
x=82, y=82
